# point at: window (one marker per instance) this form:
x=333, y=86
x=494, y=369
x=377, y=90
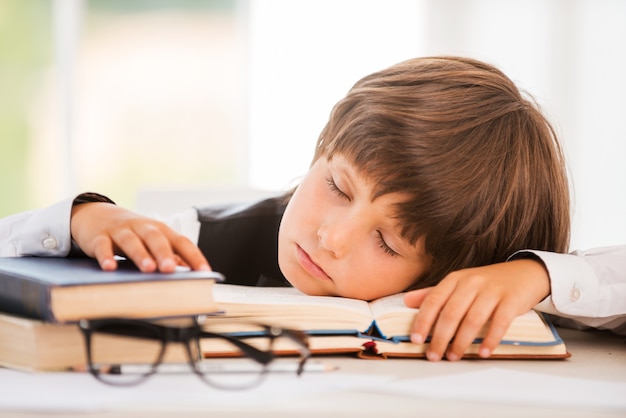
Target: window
x=143, y=92
x=117, y=96
x=25, y=56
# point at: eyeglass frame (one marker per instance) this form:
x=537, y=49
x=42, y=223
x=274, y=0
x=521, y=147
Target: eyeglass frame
x=187, y=335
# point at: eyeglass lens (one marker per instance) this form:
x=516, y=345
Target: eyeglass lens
x=125, y=353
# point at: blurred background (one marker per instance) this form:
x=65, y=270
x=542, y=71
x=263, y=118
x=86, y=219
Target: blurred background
x=128, y=96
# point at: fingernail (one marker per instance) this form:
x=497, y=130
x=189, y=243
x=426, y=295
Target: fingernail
x=452, y=356
x=147, y=264
x=108, y=264
x=168, y=264
x=484, y=352
x=432, y=356
x=204, y=267
x=417, y=338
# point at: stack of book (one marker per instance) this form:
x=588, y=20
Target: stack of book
x=42, y=299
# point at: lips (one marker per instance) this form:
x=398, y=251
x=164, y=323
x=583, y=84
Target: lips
x=309, y=265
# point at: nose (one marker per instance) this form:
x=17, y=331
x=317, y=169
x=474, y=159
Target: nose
x=336, y=236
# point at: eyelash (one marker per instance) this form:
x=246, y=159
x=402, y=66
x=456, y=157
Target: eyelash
x=381, y=241
x=333, y=188
x=386, y=248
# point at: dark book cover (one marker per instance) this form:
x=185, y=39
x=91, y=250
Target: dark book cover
x=26, y=283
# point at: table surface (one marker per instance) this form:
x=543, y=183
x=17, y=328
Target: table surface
x=591, y=383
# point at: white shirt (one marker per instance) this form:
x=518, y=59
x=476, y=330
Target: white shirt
x=46, y=232
x=588, y=288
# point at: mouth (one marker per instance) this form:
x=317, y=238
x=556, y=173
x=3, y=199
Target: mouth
x=309, y=265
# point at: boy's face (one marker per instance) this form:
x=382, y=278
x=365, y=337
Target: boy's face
x=334, y=240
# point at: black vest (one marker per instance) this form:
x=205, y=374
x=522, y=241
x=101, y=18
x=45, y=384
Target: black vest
x=241, y=241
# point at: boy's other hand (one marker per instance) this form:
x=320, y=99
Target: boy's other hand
x=465, y=300
x=103, y=230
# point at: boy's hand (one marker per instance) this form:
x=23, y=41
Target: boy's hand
x=460, y=305
x=103, y=230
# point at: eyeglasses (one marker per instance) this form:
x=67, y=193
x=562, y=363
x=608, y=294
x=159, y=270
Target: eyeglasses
x=125, y=352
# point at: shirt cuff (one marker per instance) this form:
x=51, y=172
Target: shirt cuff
x=43, y=232
x=574, y=289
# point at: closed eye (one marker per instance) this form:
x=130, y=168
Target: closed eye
x=384, y=246
x=333, y=188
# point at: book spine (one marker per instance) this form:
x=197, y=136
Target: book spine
x=24, y=297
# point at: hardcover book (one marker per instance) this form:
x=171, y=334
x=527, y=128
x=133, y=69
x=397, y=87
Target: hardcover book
x=70, y=289
x=35, y=345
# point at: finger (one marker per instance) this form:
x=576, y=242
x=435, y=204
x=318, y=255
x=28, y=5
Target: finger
x=429, y=310
x=103, y=252
x=414, y=298
x=131, y=245
x=189, y=253
x=500, y=322
x=180, y=262
x=448, y=322
x=157, y=244
x=471, y=326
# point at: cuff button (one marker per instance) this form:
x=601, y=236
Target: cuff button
x=574, y=294
x=49, y=243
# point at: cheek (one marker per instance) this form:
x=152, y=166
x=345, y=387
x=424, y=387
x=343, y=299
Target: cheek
x=294, y=213
x=286, y=237
x=296, y=221
x=382, y=277
x=364, y=276
x=304, y=206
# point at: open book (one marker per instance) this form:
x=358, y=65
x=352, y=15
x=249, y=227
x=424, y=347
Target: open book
x=380, y=327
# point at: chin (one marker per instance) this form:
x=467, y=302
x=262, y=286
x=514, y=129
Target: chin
x=310, y=290
x=307, y=286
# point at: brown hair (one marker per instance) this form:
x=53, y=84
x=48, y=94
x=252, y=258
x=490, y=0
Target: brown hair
x=481, y=164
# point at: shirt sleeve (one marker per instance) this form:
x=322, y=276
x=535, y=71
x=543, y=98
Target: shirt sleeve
x=46, y=232
x=42, y=232
x=588, y=287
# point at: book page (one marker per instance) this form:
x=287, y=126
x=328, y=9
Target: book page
x=390, y=304
x=529, y=328
x=291, y=308
x=393, y=317
x=225, y=293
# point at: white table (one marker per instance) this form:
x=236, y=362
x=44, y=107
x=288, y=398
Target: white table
x=592, y=383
